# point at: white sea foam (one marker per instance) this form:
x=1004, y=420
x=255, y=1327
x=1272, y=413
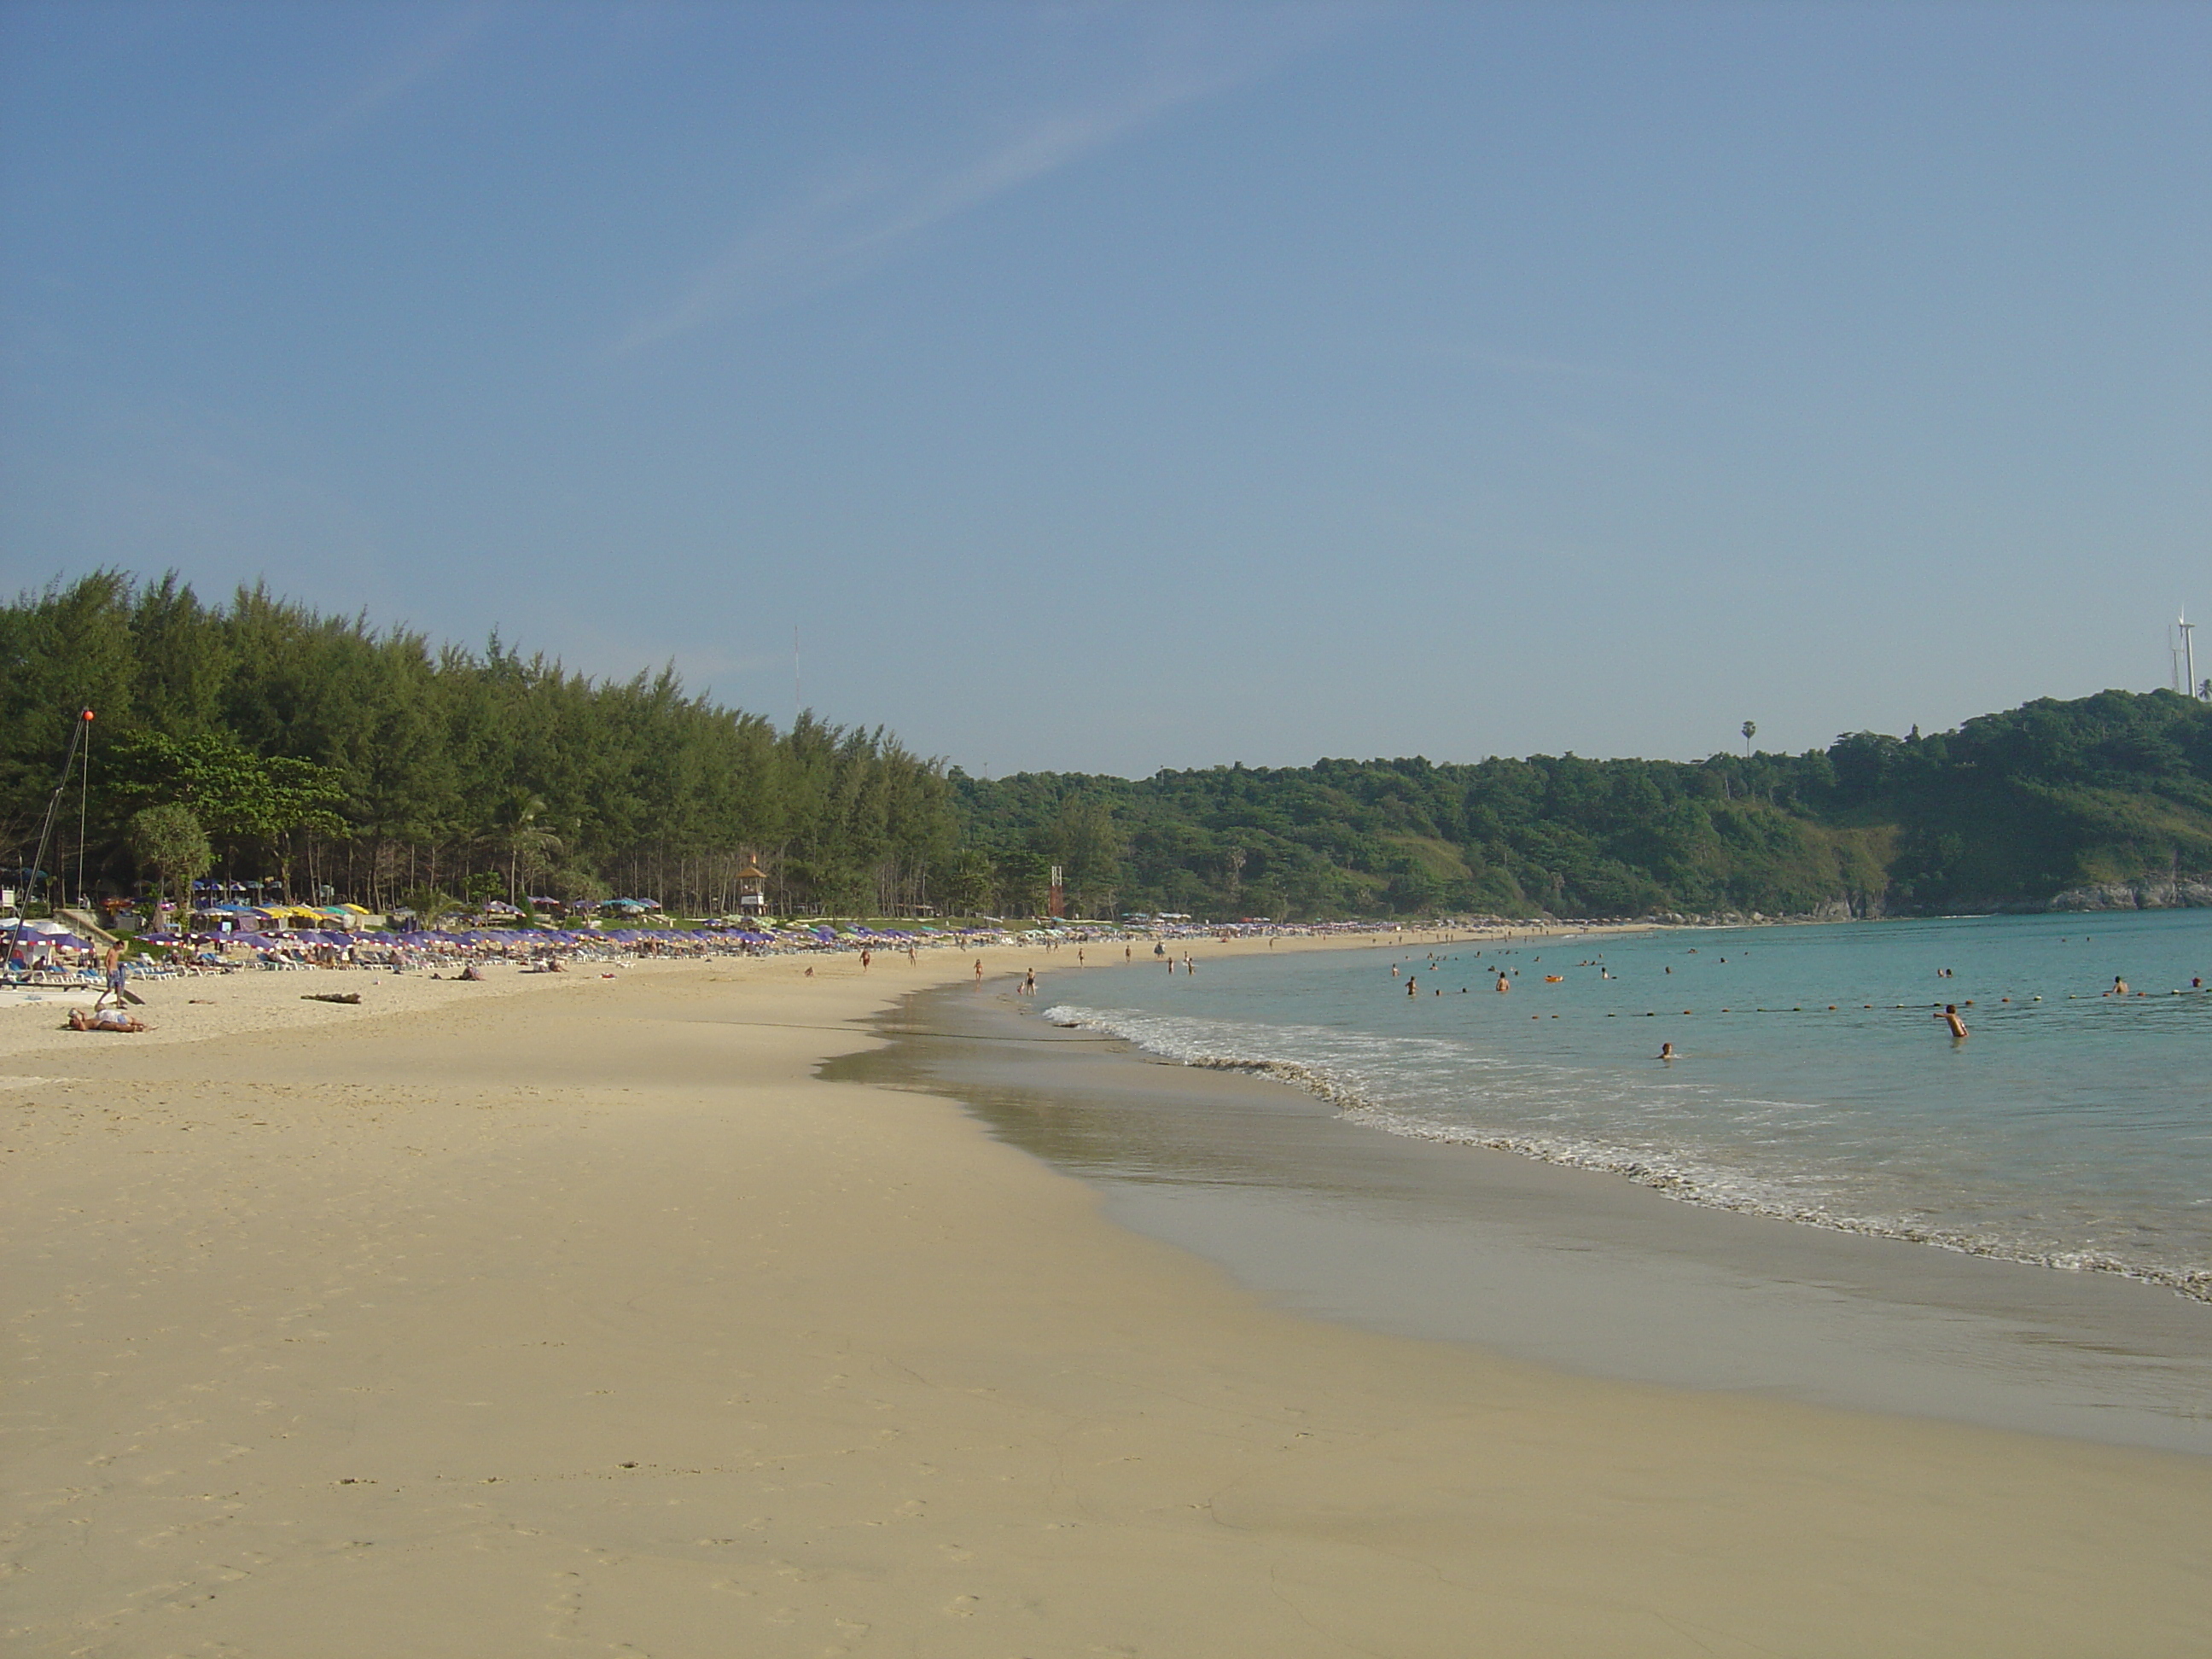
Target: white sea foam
x=1446, y=1092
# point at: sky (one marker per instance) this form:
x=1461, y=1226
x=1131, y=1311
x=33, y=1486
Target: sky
x=1107, y=387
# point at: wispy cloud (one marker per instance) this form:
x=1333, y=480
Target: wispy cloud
x=850, y=224
x=423, y=59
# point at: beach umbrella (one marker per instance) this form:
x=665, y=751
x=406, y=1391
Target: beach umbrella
x=65, y=939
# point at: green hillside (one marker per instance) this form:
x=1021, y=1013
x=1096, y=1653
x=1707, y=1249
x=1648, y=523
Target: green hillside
x=2008, y=811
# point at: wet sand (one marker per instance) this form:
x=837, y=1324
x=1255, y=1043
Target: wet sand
x=1566, y=1267
x=594, y=1319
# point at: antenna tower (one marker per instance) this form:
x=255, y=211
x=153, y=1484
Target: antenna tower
x=2188, y=688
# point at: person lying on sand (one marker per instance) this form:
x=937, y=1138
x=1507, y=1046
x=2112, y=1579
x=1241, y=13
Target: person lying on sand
x=105, y=1019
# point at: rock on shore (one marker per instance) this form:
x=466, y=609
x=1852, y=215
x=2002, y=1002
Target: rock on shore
x=2145, y=893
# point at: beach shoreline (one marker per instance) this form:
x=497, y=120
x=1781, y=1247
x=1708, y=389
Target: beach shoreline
x=1583, y=1269
x=490, y=1322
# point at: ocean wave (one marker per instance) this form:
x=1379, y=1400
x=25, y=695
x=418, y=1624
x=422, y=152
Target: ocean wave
x=1351, y=1070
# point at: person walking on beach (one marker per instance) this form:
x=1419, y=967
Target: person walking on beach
x=979, y=971
x=867, y=957
x=115, y=974
x=1028, y=984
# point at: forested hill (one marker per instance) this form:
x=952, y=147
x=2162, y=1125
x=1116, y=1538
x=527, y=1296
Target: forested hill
x=2008, y=811
x=369, y=765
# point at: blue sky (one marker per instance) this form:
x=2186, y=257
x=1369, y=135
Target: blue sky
x=1108, y=387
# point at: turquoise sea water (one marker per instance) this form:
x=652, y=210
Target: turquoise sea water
x=2070, y=1128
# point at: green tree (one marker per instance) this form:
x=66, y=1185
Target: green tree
x=233, y=792
x=169, y=840
x=964, y=885
x=1088, y=845
x=529, y=847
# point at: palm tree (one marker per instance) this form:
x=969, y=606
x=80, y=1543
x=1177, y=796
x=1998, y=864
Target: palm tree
x=1750, y=731
x=529, y=849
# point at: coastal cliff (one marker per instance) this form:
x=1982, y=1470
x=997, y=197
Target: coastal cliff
x=2147, y=893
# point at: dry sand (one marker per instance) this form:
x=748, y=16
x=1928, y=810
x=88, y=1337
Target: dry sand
x=575, y=1313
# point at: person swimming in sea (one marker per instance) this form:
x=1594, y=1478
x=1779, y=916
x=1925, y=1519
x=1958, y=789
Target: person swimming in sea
x=1950, y=1017
x=1503, y=983
x=1666, y=1053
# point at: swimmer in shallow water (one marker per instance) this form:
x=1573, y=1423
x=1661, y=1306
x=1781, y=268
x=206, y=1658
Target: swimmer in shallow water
x=1667, y=1052
x=1950, y=1017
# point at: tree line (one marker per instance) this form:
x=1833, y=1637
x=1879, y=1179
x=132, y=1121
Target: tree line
x=370, y=765
x=367, y=764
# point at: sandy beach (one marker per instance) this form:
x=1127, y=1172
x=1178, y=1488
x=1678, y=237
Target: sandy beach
x=576, y=1313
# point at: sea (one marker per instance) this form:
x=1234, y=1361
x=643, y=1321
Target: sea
x=1812, y=1078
